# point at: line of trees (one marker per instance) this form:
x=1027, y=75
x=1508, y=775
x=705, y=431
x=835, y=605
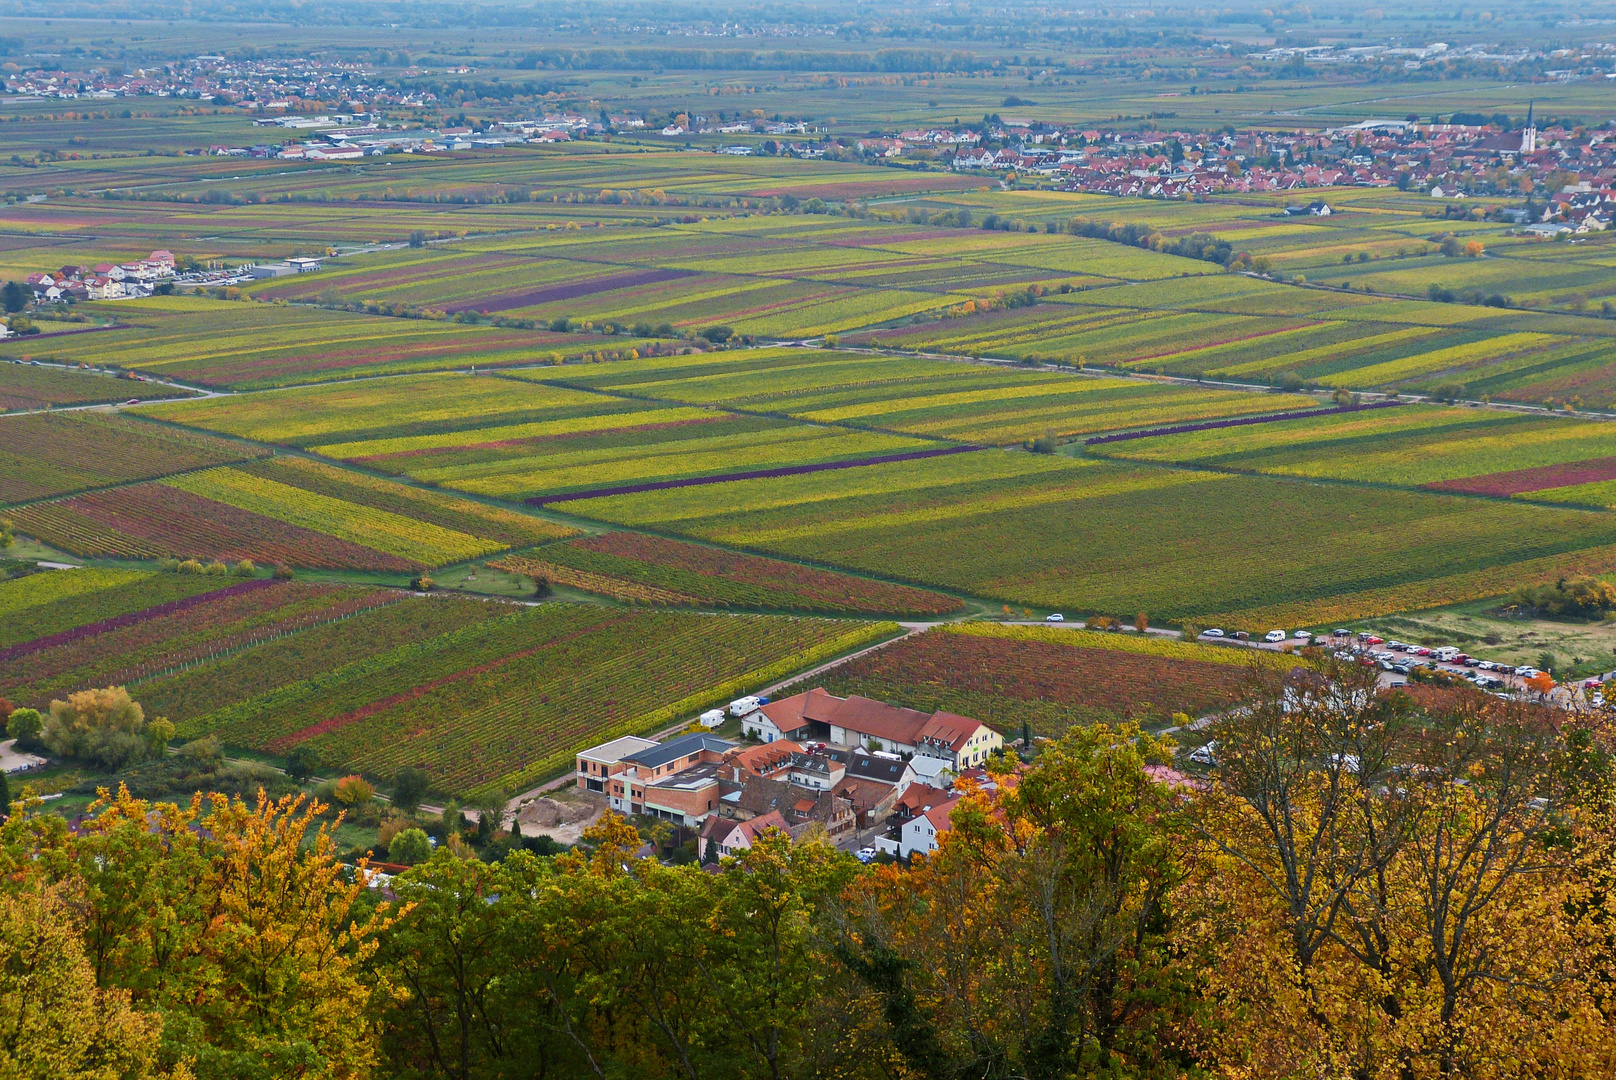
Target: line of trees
x=1369, y=885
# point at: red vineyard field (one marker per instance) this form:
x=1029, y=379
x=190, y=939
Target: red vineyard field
x=1004, y=682
x=209, y=625
x=153, y=521
x=1520, y=481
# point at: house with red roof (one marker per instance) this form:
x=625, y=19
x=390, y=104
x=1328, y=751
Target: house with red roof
x=936, y=742
x=728, y=837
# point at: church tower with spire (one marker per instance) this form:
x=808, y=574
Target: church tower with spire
x=1529, y=133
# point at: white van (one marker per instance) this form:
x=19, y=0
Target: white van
x=712, y=718
x=1447, y=654
x=742, y=706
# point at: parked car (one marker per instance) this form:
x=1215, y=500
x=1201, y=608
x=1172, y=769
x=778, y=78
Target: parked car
x=1214, y=632
x=1338, y=632
x=1241, y=635
x=1528, y=672
x=1274, y=636
x=865, y=854
x=1057, y=617
x=1302, y=635
x=133, y=401
x=1206, y=755
x=712, y=718
x=742, y=706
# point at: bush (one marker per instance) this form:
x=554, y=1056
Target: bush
x=422, y=583
x=717, y=334
x=353, y=790
x=409, y=847
x=1582, y=597
x=1290, y=380
x=282, y=572
x=203, y=752
x=245, y=568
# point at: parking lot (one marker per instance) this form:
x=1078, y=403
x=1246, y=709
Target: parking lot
x=1397, y=660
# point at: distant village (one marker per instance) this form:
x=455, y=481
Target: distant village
x=218, y=80
x=158, y=272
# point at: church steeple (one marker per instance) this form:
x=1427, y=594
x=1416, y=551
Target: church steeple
x=1529, y=133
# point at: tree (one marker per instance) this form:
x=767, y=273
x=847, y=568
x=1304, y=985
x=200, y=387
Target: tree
x=105, y=726
x=409, y=787
x=1069, y=871
x=409, y=847
x=14, y=297
x=302, y=762
x=25, y=725
x=461, y=1013
x=490, y=814
x=1388, y=889
x=55, y=1022
x=243, y=934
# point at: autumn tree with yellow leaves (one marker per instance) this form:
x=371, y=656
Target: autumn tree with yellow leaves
x=1390, y=888
x=217, y=939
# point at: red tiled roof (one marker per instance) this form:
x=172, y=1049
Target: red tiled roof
x=762, y=760
x=763, y=823
x=939, y=815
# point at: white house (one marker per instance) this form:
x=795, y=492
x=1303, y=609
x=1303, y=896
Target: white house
x=920, y=833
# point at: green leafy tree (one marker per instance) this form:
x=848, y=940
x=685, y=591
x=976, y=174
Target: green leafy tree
x=303, y=761
x=409, y=847
x=409, y=787
x=25, y=725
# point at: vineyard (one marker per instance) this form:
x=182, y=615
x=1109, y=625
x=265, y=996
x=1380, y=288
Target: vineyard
x=127, y=649
x=1047, y=680
x=393, y=408
x=917, y=396
x=321, y=519
x=41, y=605
x=1110, y=539
x=245, y=346
x=25, y=387
x=47, y=454
x=652, y=569
x=499, y=701
x=1413, y=445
